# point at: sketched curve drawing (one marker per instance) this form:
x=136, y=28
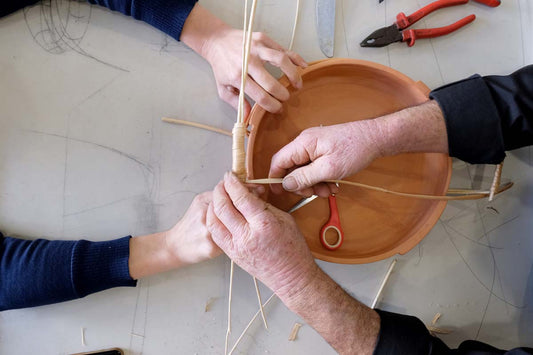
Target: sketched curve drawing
x=59, y=26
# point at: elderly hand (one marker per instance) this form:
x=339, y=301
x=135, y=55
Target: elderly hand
x=334, y=152
x=266, y=243
x=325, y=153
x=221, y=46
x=261, y=239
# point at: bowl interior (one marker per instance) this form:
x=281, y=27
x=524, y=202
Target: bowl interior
x=376, y=225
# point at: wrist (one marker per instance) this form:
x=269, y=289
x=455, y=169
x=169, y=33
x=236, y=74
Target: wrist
x=149, y=255
x=295, y=293
x=201, y=30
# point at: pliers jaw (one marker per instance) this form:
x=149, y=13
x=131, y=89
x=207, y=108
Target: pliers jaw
x=383, y=37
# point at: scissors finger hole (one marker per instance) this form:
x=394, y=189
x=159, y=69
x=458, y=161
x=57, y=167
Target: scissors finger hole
x=331, y=238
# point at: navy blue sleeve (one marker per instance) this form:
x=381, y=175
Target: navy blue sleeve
x=166, y=15
x=9, y=6
x=39, y=272
x=406, y=335
x=485, y=116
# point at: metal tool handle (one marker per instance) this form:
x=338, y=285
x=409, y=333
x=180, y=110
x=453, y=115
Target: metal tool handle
x=410, y=36
x=403, y=21
x=333, y=223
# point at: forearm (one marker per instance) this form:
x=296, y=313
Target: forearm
x=200, y=28
x=415, y=129
x=347, y=325
x=150, y=255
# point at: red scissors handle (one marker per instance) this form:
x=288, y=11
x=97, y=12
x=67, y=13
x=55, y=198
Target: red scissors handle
x=334, y=223
x=491, y=3
x=410, y=36
x=403, y=21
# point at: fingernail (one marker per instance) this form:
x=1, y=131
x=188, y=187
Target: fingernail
x=290, y=184
x=305, y=65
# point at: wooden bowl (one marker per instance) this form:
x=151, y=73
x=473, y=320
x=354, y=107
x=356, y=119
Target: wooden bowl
x=376, y=225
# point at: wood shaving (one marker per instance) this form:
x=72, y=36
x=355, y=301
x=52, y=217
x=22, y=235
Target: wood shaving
x=83, y=336
x=435, y=319
x=209, y=303
x=434, y=330
x=294, y=332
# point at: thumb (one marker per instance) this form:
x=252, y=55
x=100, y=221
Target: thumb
x=306, y=176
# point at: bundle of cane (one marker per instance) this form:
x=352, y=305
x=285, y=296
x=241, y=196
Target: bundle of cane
x=238, y=148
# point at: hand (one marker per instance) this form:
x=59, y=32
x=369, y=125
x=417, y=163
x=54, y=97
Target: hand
x=266, y=243
x=261, y=239
x=188, y=242
x=325, y=153
x=334, y=152
x=221, y=46
x=224, y=53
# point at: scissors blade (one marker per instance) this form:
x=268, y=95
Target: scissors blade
x=301, y=203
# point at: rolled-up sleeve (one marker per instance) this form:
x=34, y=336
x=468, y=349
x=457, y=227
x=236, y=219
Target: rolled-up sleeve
x=485, y=116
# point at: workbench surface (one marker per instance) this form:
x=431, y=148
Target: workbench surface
x=84, y=154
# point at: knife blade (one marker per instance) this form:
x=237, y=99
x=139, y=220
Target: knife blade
x=325, y=26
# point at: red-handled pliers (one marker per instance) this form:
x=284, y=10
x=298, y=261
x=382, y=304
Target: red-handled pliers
x=395, y=32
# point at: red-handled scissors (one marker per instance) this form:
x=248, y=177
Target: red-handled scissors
x=334, y=223
x=398, y=32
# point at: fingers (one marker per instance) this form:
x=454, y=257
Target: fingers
x=204, y=198
x=297, y=59
x=262, y=77
x=262, y=98
x=230, y=95
x=292, y=155
x=322, y=190
x=226, y=212
x=284, y=62
x=248, y=204
x=308, y=176
x=269, y=42
x=219, y=233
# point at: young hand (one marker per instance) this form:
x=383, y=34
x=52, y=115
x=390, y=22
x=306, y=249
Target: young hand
x=221, y=46
x=188, y=242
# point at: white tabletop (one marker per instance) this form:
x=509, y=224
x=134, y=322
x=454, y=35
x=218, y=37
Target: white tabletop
x=83, y=154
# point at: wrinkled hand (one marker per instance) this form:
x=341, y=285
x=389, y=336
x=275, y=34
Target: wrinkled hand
x=224, y=52
x=261, y=239
x=325, y=153
x=189, y=240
